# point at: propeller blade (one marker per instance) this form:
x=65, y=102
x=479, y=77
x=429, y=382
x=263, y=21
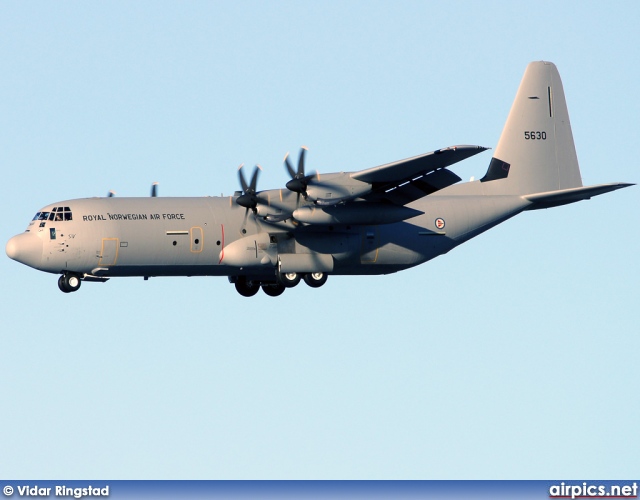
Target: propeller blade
x=154, y=189
x=287, y=164
x=248, y=198
x=254, y=179
x=303, y=150
x=243, y=182
x=299, y=181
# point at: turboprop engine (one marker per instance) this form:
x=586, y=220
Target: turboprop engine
x=364, y=213
x=329, y=189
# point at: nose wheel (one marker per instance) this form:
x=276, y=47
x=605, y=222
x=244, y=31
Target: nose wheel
x=68, y=283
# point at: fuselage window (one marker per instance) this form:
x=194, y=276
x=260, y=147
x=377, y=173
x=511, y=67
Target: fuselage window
x=36, y=216
x=43, y=216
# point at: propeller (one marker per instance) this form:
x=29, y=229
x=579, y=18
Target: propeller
x=248, y=198
x=154, y=189
x=299, y=181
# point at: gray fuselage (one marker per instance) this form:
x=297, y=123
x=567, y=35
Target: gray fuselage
x=164, y=236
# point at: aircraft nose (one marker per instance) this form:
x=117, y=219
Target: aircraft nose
x=25, y=248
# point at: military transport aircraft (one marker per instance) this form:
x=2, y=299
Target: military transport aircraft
x=375, y=221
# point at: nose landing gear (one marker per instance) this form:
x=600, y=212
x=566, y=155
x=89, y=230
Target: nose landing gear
x=69, y=283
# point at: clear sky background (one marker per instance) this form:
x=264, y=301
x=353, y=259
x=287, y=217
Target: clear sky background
x=515, y=356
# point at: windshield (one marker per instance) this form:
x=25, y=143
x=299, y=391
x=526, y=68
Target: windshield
x=56, y=214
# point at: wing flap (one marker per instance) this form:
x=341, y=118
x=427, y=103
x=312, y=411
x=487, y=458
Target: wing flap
x=414, y=189
x=404, y=170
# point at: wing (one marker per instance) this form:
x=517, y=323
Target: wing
x=404, y=181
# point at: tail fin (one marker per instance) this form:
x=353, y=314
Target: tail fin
x=536, y=152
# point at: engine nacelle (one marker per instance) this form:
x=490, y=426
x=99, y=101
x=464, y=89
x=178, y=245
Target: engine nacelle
x=356, y=213
x=329, y=189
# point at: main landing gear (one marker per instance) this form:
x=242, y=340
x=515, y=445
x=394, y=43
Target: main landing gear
x=69, y=283
x=248, y=288
x=315, y=280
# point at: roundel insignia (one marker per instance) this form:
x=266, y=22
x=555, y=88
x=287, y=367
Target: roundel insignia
x=440, y=223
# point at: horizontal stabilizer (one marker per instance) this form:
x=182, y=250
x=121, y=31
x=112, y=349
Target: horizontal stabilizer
x=565, y=196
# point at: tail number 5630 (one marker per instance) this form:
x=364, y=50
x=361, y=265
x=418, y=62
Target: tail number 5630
x=535, y=136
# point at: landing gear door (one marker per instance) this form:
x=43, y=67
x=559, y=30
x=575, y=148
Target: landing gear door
x=109, y=254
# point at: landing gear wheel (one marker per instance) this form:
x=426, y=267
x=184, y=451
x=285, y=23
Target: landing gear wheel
x=61, y=285
x=69, y=283
x=273, y=290
x=246, y=288
x=315, y=280
x=289, y=280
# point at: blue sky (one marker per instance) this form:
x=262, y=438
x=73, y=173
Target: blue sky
x=513, y=357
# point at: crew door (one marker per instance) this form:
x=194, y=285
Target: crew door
x=109, y=253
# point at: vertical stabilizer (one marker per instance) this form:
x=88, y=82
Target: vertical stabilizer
x=536, y=152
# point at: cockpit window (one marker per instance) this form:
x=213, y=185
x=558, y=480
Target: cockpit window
x=56, y=214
